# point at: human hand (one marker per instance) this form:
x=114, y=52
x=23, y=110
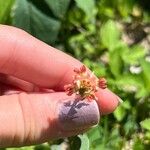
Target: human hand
x=29, y=112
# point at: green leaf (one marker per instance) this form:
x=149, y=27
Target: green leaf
x=5, y=7
x=87, y=6
x=84, y=142
x=22, y=8
x=146, y=73
x=29, y=18
x=22, y=148
x=115, y=139
x=110, y=35
x=120, y=113
x=115, y=62
x=138, y=144
x=130, y=83
x=146, y=124
x=44, y=146
x=133, y=55
x=130, y=126
x=125, y=7
x=95, y=136
x=58, y=7
x=147, y=135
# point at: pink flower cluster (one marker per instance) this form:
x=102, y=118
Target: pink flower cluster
x=84, y=84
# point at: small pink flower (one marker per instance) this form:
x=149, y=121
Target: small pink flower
x=85, y=85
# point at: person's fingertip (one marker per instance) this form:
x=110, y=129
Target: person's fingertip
x=108, y=101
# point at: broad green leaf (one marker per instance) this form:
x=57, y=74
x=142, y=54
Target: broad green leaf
x=29, y=18
x=84, y=142
x=146, y=124
x=5, y=7
x=22, y=15
x=120, y=113
x=87, y=6
x=115, y=62
x=45, y=28
x=110, y=35
x=58, y=7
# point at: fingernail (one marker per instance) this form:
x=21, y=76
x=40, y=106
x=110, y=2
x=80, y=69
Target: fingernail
x=78, y=114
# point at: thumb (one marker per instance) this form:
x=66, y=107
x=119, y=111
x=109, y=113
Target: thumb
x=35, y=118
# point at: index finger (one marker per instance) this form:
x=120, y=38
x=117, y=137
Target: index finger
x=30, y=59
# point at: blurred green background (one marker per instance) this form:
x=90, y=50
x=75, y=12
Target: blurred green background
x=112, y=37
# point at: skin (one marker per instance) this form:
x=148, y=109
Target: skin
x=28, y=109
